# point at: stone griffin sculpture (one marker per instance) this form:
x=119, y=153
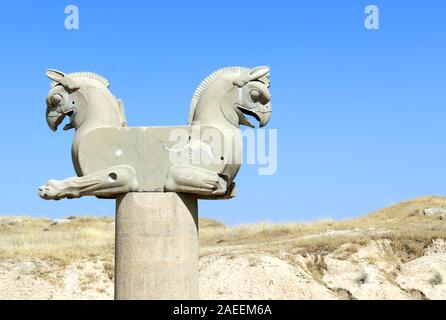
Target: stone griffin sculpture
x=111, y=158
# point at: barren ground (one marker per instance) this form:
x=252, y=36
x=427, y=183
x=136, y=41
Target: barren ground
x=395, y=253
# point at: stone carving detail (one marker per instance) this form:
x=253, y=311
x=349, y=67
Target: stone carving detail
x=111, y=158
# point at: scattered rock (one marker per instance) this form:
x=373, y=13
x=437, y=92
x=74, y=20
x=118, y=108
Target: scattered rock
x=426, y=273
x=439, y=212
x=258, y=276
x=364, y=273
x=59, y=221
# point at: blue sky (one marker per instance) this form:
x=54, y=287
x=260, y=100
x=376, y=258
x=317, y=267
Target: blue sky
x=359, y=113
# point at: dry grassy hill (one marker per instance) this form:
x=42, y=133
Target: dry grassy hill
x=398, y=252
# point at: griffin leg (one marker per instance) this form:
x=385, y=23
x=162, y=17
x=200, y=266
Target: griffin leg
x=106, y=183
x=190, y=179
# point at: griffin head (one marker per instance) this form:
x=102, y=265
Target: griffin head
x=62, y=101
x=71, y=95
x=252, y=97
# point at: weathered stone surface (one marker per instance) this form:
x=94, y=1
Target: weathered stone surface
x=153, y=152
x=156, y=246
x=111, y=158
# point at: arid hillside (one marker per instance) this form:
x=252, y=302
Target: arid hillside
x=396, y=253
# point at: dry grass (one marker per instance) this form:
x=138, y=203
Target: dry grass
x=317, y=267
x=23, y=237
x=437, y=279
x=409, y=231
x=205, y=223
x=362, y=279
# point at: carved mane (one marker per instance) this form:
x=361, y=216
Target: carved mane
x=207, y=82
x=90, y=75
x=105, y=83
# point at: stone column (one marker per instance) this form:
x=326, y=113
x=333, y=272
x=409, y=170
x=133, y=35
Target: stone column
x=156, y=246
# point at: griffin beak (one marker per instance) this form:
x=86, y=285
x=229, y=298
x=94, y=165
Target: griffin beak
x=54, y=119
x=262, y=116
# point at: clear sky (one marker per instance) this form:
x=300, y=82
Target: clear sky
x=360, y=113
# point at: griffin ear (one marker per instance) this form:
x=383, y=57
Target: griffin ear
x=62, y=78
x=258, y=72
x=55, y=75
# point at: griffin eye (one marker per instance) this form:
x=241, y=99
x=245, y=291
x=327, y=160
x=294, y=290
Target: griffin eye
x=56, y=99
x=254, y=95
